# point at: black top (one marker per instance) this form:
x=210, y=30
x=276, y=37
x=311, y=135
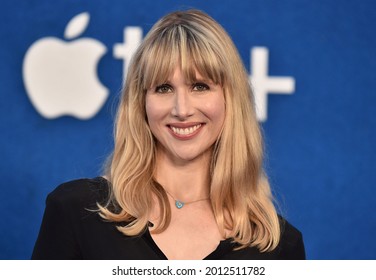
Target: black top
x=72, y=230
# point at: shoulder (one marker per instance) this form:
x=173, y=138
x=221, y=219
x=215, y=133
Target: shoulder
x=70, y=213
x=291, y=245
x=82, y=193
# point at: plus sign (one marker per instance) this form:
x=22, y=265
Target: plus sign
x=262, y=84
x=125, y=50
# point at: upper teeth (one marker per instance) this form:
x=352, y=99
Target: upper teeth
x=185, y=131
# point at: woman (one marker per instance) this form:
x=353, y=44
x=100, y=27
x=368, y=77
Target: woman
x=185, y=180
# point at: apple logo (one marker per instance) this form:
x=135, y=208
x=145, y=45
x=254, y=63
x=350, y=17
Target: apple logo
x=60, y=77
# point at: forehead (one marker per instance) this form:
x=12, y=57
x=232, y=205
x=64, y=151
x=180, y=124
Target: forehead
x=175, y=71
x=192, y=53
x=177, y=75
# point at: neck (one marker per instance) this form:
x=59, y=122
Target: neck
x=185, y=182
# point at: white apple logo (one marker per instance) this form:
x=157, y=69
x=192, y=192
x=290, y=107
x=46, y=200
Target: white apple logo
x=60, y=77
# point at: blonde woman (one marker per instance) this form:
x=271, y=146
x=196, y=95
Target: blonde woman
x=185, y=179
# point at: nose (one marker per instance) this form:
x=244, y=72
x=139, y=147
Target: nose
x=183, y=106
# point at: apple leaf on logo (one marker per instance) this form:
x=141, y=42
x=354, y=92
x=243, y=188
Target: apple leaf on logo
x=77, y=25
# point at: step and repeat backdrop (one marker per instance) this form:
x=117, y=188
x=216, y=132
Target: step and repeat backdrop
x=313, y=67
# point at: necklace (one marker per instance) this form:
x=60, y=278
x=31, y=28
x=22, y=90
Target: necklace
x=179, y=204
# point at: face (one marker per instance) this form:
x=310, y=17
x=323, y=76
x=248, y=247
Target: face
x=185, y=118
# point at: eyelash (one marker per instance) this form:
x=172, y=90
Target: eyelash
x=166, y=88
x=202, y=85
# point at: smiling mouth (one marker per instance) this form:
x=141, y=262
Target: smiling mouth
x=186, y=130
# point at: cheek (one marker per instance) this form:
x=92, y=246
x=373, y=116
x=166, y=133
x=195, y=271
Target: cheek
x=152, y=119
x=151, y=111
x=155, y=115
x=216, y=111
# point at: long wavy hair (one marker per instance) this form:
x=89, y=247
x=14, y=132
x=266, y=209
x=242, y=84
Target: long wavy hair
x=240, y=195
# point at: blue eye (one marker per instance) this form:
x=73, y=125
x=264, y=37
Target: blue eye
x=165, y=88
x=200, y=87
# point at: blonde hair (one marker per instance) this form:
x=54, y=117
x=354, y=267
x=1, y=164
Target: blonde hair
x=240, y=194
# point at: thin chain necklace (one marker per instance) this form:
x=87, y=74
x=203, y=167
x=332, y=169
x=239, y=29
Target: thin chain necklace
x=179, y=204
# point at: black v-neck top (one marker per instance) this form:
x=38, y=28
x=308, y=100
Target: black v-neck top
x=72, y=229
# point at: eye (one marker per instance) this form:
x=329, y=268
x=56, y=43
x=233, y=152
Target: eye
x=200, y=87
x=165, y=88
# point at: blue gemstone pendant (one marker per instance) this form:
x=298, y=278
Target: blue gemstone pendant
x=179, y=204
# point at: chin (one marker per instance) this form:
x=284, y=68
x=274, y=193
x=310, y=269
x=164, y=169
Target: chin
x=191, y=157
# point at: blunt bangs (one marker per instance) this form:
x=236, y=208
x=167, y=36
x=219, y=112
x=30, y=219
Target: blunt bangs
x=181, y=46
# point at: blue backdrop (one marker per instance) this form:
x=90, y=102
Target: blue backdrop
x=320, y=138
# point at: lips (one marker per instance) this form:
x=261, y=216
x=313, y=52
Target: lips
x=185, y=131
